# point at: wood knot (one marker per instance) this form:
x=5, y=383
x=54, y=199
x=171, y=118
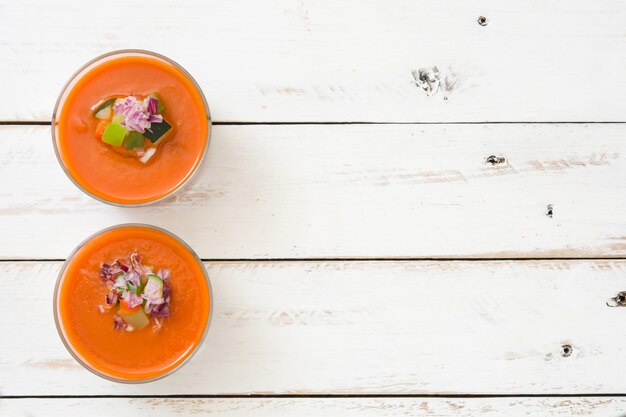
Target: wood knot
x=483, y=21
x=618, y=301
x=495, y=160
x=427, y=79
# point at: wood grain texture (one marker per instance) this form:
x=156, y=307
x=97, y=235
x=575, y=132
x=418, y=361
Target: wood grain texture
x=338, y=407
x=350, y=192
x=420, y=327
x=323, y=60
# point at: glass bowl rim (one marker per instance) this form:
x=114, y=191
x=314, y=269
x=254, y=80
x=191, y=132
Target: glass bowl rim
x=69, y=346
x=75, y=76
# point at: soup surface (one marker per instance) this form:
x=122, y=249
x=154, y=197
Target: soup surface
x=140, y=354
x=110, y=175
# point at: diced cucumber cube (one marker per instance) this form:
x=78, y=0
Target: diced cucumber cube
x=155, y=284
x=157, y=131
x=114, y=134
x=137, y=320
x=102, y=106
x=156, y=279
x=105, y=113
x=133, y=140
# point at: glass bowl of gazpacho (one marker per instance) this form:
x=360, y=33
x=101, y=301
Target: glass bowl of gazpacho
x=131, y=127
x=132, y=303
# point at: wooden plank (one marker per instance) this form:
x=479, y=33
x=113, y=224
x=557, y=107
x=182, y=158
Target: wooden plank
x=323, y=60
x=421, y=327
x=350, y=191
x=339, y=407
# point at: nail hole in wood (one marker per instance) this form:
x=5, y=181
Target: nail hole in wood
x=566, y=350
x=495, y=160
x=550, y=211
x=483, y=21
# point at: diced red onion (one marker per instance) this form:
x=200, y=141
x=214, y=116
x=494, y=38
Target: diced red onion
x=167, y=290
x=111, y=298
x=133, y=278
x=136, y=113
x=108, y=272
x=135, y=263
x=120, y=275
x=149, y=154
x=155, y=118
x=162, y=310
x=132, y=299
x=157, y=324
x=152, y=105
x=122, y=266
x=119, y=323
x=164, y=273
x=137, y=121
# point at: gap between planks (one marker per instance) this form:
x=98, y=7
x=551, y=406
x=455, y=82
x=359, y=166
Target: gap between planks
x=316, y=396
x=304, y=123
x=364, y=259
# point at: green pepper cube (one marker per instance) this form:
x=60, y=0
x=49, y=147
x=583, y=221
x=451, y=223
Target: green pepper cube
x=103, y=106
x=133, y=140
x=114, y=134
x=157, y=131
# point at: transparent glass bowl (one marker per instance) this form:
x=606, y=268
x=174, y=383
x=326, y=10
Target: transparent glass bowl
x=73, y=81
x=68, y=344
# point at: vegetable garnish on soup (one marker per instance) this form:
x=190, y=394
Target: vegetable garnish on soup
x=131, y=128
x=136, y=294
x=133, y=302
x=132, y=125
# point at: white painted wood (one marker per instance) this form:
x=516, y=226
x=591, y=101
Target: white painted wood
x=358, y=328
x=338, y=407
x=326, y=60
x=350, y=191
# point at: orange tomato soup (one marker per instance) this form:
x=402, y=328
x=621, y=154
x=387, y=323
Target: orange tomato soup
x=106, y=174
x=140, y=354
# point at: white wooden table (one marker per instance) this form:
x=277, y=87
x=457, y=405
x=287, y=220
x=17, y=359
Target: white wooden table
x=368, y=257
